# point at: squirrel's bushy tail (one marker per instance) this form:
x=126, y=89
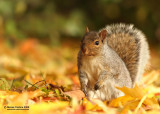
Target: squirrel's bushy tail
x=130, y=44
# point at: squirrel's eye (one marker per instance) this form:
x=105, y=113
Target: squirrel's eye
x=96, y=43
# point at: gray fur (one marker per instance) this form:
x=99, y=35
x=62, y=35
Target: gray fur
x=142, y=51
x=120, y=62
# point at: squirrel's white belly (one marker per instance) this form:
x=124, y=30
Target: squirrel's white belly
x=93, y=68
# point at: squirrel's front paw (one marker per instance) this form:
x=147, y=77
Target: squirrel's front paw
x=91, y=94
x=98, y=85
x=96, y=95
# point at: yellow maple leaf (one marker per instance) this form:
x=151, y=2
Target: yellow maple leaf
x=97, y=105
x=88, y=105
x=120, y=101
x=48, y=106
x=136, y=92
x=140, y=97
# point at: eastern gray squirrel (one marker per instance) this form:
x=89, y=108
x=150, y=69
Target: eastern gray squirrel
x=115, y=56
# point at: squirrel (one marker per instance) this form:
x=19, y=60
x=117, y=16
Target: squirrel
x=115, y=56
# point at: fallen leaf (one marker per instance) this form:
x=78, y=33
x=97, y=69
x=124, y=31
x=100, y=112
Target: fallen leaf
x=77, y=94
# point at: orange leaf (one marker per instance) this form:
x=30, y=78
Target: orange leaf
x=77, y=93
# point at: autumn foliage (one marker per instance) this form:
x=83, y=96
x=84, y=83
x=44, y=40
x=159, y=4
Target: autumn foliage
x=45, y=80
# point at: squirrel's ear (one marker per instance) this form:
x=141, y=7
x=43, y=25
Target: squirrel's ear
x=87, y=30
x=103, y=34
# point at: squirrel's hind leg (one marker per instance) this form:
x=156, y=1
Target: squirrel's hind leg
x=111, y=92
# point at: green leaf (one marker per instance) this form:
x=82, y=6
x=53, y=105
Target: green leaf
x=45, y=90
x=57, y=92
x=4, y=84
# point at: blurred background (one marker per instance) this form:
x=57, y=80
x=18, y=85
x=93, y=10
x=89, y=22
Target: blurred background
x=55, y=20
x=56, y=23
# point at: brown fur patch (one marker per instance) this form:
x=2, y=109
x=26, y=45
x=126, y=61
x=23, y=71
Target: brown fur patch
x=126, y=47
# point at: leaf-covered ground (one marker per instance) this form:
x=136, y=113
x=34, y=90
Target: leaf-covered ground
x=36, y=78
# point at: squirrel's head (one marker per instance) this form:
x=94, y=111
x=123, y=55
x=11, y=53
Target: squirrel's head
x=92, y=42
